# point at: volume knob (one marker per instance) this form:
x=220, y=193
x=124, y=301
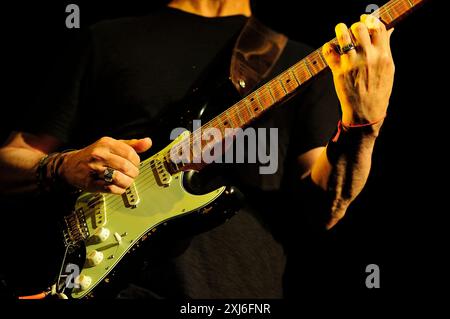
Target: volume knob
x=83, y=281
x=100, y=235
x=94, y=258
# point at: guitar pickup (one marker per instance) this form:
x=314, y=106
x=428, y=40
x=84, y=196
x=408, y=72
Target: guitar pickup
x=162, y=176
x=131, y=197
x=98, y=206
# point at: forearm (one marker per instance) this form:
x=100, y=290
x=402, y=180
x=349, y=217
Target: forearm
x=18, y=168
x=341, y=171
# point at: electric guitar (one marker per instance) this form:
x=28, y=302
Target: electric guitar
x=103, y=229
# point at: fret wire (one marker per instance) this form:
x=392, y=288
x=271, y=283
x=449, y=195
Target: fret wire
x=265, y=97
x=322, y=57
x=194, y=147
x=398, y=9
x=282, y=86
x=307, y=68
x=239, y=115
x=269, y=88
x=250, y=111
x=277, y=89
x=258, y=100
x=303, y=71
x=292, y=72
x=234, y=120
x=389, y=9
x=229, y=118
x=251, y=101
x=219, y=124
x=310, y=63
x=394, y=8
x=319, y=58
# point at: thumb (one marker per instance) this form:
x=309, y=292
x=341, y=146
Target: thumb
x=139, y=145
x=390, y=31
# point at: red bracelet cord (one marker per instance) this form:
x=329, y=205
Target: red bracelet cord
x=346, y=127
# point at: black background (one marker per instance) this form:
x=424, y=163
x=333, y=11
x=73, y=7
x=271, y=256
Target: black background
x=395, y=221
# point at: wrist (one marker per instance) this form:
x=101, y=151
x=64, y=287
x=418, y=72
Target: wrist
x=351, y=141
x=62, y=167
x=359, y=129
x=50, y=173
x=367, y=129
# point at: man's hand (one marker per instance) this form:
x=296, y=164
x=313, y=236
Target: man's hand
x=363, y=77
x=85, y=168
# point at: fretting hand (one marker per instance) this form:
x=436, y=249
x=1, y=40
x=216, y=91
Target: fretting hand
x=364, y=72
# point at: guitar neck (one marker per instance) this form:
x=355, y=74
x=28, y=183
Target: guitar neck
x=278, y=89
x=287, y=83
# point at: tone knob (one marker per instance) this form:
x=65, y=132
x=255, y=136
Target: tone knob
x=100, y=235
x=83, y=281
x=94, y=258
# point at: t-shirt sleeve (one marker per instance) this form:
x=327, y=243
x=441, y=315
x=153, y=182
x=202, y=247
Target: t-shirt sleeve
x=314, y=111
x=54, y=111
x=317, y=115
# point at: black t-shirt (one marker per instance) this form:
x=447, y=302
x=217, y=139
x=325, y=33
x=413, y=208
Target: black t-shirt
x=128, y=72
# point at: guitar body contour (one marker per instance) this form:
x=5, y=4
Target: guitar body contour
x=104, y=228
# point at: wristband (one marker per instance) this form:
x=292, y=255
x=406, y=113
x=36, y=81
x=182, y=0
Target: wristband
x=47, y=173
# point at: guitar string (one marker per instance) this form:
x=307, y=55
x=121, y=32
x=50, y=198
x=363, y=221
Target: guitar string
x=197, y=133
x=115, y=203
x=187, y=141
x=236, y=109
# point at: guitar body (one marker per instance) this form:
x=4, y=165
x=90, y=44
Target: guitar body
x=103, y=229
x=87, y=252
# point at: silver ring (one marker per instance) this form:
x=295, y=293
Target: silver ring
x=108, y=175
x=347, y=48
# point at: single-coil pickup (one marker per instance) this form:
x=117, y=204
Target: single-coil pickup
x=160, y=172
x=98, y=208
x=131, y=196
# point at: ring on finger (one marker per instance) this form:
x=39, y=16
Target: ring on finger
x=347, y=48
x=108, y=174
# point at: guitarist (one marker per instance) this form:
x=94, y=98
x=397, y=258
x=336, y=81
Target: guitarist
x=129, y=70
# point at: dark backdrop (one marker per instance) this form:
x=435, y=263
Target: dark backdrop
x=395, y=220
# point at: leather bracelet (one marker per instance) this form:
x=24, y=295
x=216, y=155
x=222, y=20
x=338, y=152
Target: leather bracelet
x=48, y=178
x=42, y=171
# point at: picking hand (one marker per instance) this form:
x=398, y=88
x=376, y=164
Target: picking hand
x=85, y=168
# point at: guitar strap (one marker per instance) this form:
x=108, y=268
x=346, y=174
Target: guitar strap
x=255, y=53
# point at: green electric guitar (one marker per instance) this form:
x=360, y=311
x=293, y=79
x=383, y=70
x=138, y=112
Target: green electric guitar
x=103, y=229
